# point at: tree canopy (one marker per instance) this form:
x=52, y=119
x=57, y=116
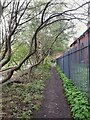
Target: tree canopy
x=30, y=29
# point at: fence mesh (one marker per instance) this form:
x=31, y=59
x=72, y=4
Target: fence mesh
x=75, y=65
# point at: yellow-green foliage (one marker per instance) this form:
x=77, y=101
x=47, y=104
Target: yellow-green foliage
x=47, y=62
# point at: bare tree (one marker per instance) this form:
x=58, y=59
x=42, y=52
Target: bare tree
x=16, y=14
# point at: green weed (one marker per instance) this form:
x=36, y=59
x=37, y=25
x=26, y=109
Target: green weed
x=79, y=103
x=19, y=100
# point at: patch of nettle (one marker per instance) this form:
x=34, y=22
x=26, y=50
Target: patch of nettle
x=79, y=103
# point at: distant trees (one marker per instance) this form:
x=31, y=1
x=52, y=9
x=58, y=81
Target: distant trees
x=32, y=28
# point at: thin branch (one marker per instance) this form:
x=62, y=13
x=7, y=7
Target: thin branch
x=42, y=18
x=6, y=5
x=52, y=19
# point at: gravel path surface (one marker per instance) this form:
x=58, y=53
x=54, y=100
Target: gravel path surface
x=54, y=104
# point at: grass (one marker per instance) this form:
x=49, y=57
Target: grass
x=20, y=100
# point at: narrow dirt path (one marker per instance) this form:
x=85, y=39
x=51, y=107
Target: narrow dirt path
x=54, y=104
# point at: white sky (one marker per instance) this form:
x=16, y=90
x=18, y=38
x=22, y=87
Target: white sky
x=80, y=27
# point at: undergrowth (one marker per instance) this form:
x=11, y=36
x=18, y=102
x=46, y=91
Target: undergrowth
x=79, y=103
x=19, y=100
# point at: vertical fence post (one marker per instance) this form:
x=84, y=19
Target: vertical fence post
x=68, y=65
x=89, y=59
x=63, y=63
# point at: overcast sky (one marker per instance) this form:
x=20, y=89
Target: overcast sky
x=80, y=27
